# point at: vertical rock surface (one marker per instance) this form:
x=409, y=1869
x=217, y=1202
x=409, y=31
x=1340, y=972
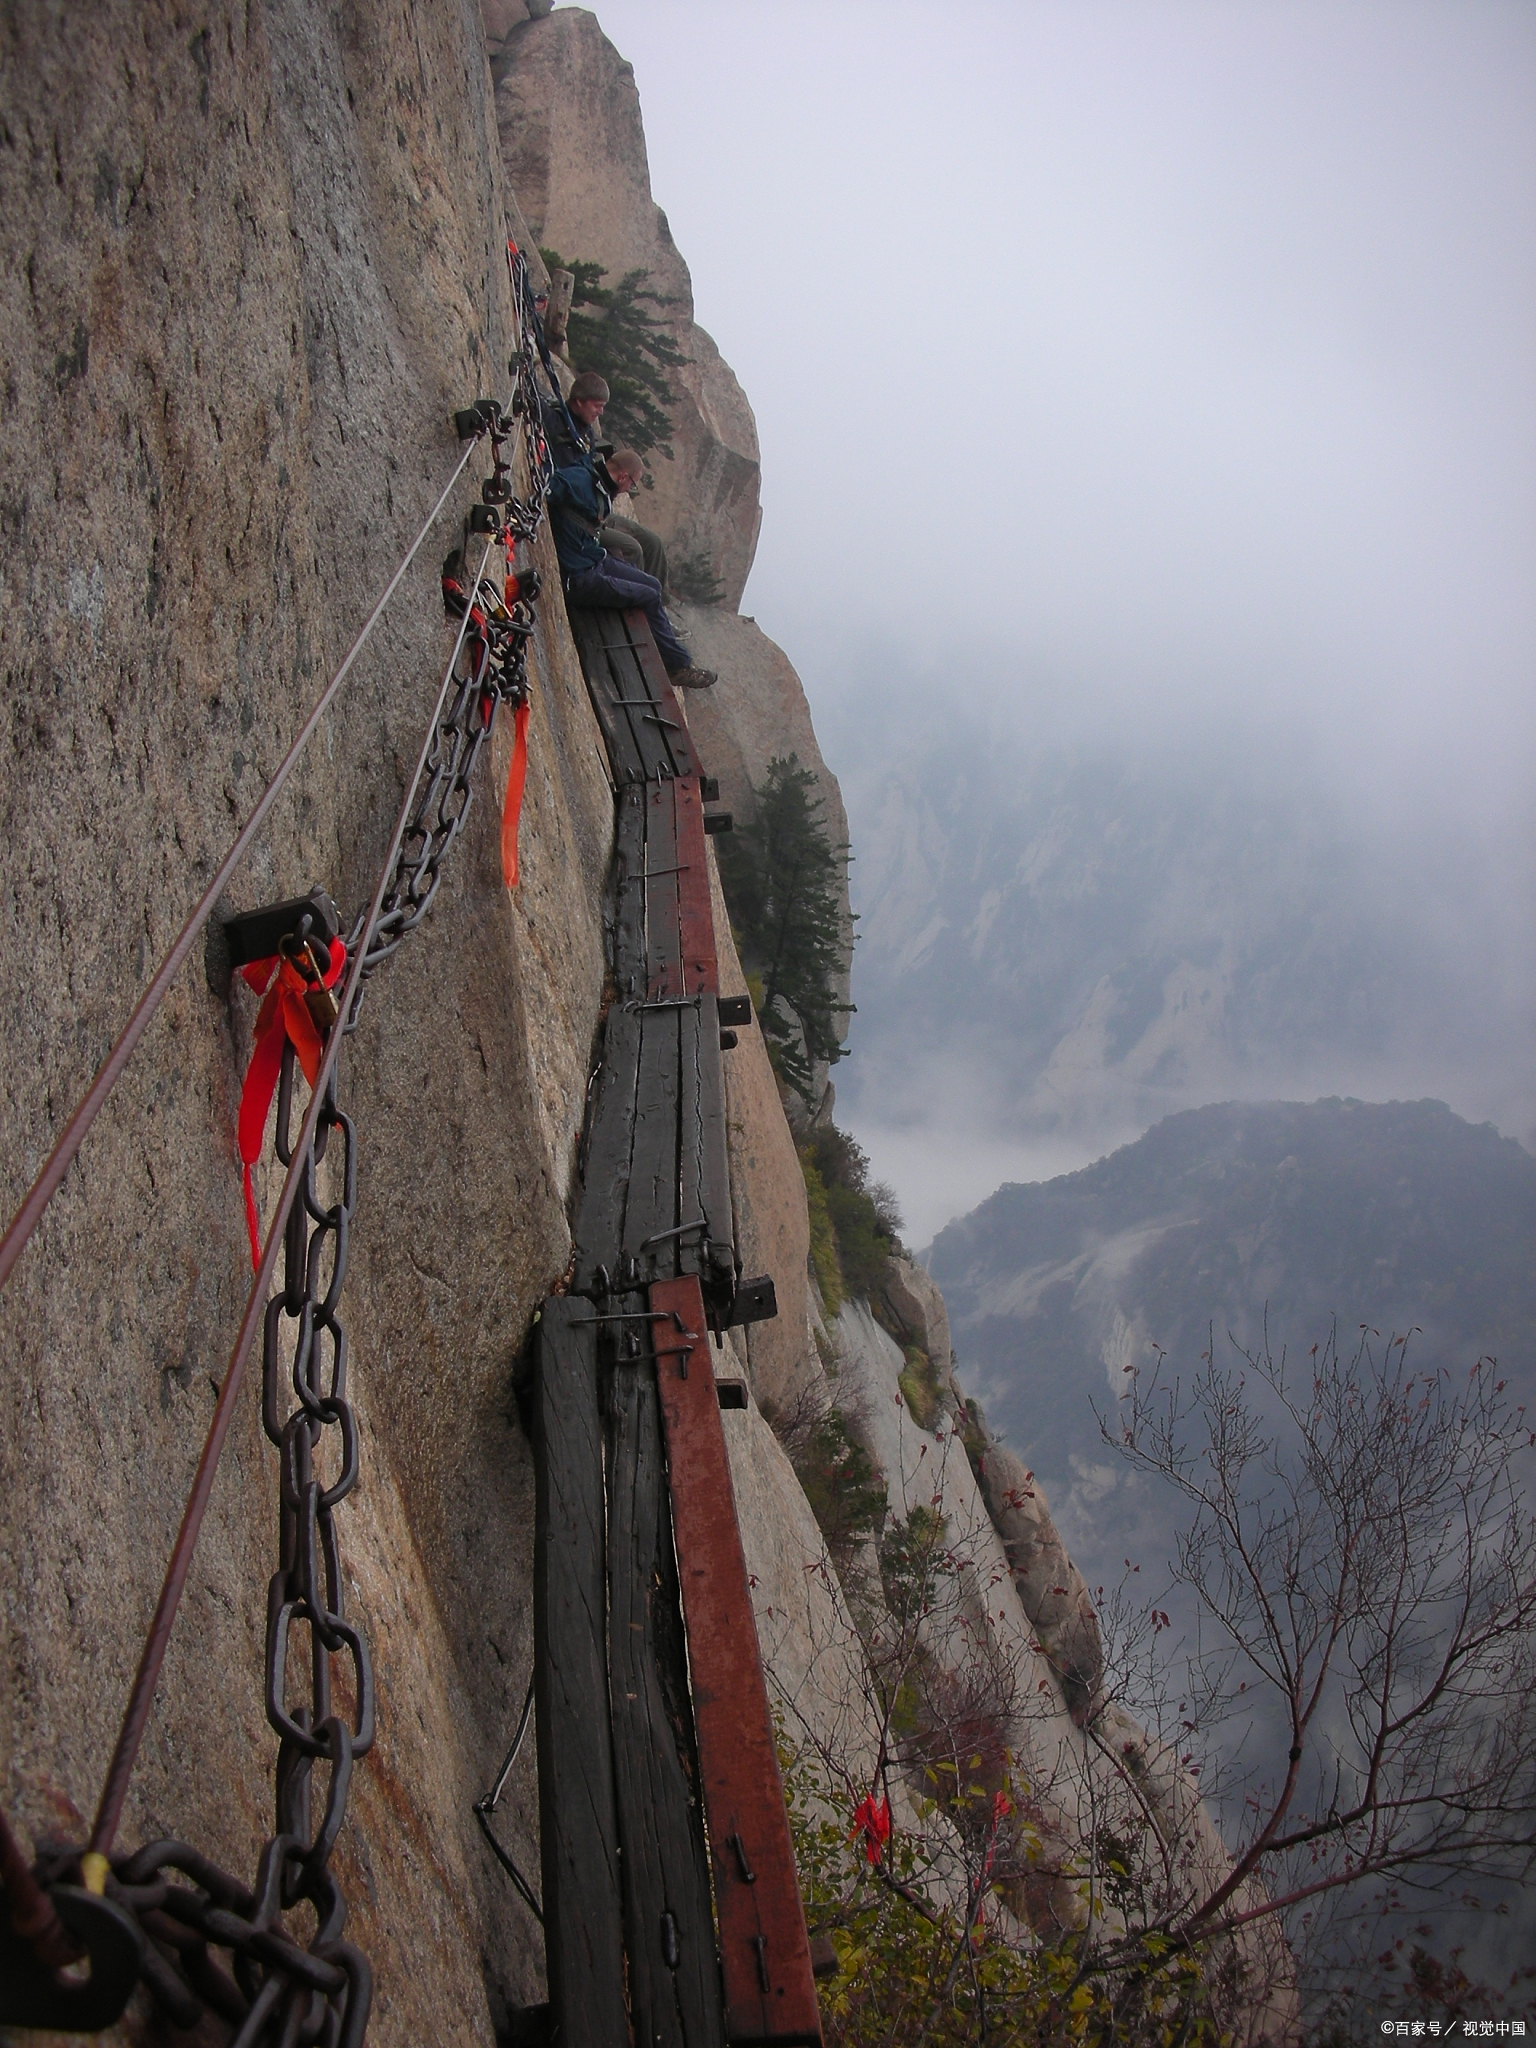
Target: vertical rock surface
x=570, y=126
x=251, y=262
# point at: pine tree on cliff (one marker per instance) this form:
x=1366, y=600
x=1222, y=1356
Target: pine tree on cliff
x=615, y=331
x=783, y=883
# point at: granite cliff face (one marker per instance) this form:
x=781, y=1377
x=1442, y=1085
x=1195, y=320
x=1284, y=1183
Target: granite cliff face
x=250, y=269
x=569, y=117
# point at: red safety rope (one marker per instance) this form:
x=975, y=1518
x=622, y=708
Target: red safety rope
x=283, y=1019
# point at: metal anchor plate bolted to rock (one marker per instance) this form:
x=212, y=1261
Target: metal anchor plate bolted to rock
x=34, y=1996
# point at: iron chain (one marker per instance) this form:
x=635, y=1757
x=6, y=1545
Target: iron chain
x=279, y=1992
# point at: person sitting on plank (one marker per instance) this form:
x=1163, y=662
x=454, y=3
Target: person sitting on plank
x=580, y=498
x=570, y=427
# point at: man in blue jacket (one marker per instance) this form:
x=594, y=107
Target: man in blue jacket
x=580, y=499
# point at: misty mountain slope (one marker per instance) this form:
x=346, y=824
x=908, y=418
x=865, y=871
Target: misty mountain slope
x=1398, y=1214
x=1077, y=939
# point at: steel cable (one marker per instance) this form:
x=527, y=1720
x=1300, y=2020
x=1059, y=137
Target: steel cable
x=43, y=1189
x=141, y=1698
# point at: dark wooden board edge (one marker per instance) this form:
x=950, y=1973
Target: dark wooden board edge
x=675, y=1994
x=714, y=1171
x=584, y=1954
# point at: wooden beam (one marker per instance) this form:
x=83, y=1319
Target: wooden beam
x=770, y=1995
x=651, y=1219
x=578, y=1838
x=674, y=1973
x=664, y=860
x=695, y=907
x=609, y=1150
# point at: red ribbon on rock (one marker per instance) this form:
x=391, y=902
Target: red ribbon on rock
x=283, y=1019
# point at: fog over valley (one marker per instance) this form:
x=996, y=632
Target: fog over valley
x=1149, y=460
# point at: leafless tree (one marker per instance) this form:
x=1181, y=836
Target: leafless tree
x=1364, y=1567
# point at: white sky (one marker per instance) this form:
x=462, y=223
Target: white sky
x=1152, y=360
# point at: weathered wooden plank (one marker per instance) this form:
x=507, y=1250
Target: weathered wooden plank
x=626, y=635
x=651, y=1216
x=696, y=917
x=583, y=1922
x=770, y=1995
x=663, y=921
x=627, y=936
x=593, y=633
x=694, y=1249
x=599, y=1230
x=674, y=1975
x=647, y=721
x=684, y=756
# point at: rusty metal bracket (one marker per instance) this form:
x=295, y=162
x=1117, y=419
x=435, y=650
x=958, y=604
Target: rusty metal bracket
x=34, y=1996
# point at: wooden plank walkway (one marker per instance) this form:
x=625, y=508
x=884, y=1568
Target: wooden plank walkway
x=653, y=1720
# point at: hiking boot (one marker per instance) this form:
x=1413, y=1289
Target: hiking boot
x=693, y=679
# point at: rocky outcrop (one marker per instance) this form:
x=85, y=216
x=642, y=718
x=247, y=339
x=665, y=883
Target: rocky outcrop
x=915, y=1304
x=1050, y=1587
x=571, y=134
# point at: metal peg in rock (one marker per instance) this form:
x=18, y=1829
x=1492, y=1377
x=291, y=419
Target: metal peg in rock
x=31, y=1995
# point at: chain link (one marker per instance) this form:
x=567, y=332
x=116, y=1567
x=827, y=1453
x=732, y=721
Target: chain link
x=493, y=665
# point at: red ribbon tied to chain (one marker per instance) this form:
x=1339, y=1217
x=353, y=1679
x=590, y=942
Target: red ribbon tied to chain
x=283, y=1019
x=512, y=802
x=517, y=774
x=874, y=1823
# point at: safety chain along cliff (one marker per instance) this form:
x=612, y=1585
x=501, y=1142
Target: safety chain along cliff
x=125, y=1911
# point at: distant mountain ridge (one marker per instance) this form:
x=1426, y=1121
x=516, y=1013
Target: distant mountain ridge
x=1062, y=942
x=1400, y=1215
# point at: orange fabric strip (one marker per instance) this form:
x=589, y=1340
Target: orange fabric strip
x=512, y=802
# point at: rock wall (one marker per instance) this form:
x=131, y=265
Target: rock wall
x=250, y=267
x=569, y=117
